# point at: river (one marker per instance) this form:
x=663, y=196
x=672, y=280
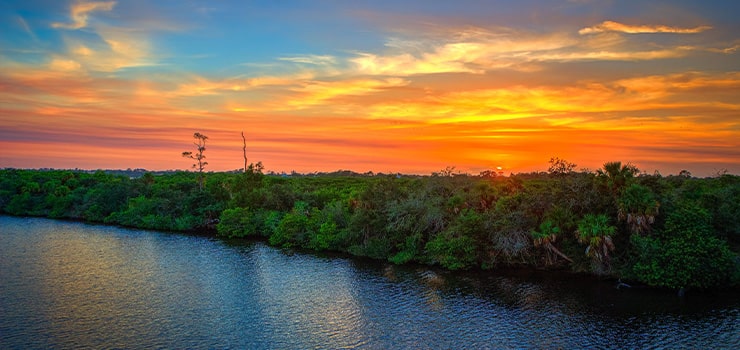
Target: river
x=72, y=285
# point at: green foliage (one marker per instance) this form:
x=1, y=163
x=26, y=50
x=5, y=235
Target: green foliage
x=547, y=231
x=595, y=231
x=687, y=254
x=236, y=222
x=547, y=234
x=451, y=219
x=508, y=227
x=456, y=247
x=638, y=208
x=615, y=176
x=294, y=229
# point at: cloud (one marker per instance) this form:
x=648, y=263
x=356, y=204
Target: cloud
x=336, y=97
x=407, y=64
x=611, y=26
x=696, y=82
x=479, y=50
x=80, y=11
x=578, y=104
x=110, y=47
x=26, y=28
x=614, y=55
x=316, y=92
x=64, y=65
x=200, y=86
x=466, y=51
x=311, y=59
x=114, y=49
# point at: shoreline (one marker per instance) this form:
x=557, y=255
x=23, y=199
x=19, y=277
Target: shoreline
x=574, y=222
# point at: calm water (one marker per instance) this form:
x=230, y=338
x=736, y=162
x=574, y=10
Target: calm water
x=71, y=285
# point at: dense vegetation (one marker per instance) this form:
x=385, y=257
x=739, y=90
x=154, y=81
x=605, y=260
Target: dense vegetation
x=673, y=231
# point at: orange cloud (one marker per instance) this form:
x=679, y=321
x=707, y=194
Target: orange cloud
x=318, y=92
x=611, y=26
x=466, y=98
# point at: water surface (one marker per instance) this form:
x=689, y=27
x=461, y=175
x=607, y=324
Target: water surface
x=72, y=285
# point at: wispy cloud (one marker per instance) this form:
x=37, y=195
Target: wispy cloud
x=319, y=92
x=26, y=28
x=80, y=10
x=311, y=59
x=112, y=47
x=117, y=48
x=472, y=50
x=479, y=50
x=611, y=26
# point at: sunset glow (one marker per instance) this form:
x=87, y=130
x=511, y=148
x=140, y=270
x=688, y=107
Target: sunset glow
x=383, y=86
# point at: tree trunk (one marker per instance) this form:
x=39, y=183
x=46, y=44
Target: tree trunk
x=556, y=251
x=244, y=149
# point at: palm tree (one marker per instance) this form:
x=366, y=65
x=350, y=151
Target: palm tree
x=638, y=207
x=545, y=238
x=595, y=231
x=615, y=175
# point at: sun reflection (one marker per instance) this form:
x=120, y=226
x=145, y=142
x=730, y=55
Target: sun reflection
x=317, y=304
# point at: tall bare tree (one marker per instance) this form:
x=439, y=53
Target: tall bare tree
x=198, y=156
x=244, y=150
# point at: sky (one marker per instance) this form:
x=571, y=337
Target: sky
x=383, y=86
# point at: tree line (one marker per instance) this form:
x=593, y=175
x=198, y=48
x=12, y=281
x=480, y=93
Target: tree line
x=665, y=231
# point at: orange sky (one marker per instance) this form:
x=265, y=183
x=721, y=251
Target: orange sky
x=383, y=87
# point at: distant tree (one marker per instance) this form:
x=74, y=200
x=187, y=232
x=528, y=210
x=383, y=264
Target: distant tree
x=560, y=166
x=487, y=174
x=449, y=171
x=198, y=156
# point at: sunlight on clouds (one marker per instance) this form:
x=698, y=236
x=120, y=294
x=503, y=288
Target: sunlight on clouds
x=480, y=50
x=554, y=103
x=111, y=48
x=683, y=81
x=618, y=55
x=463, y=93
x=318, y=92
x=463, y=52
x=405, y=64
x=124, y=49
x=202, y=86
x=611, y=26
x=82, y=50
x=311, y=59
x=199, y=86
x=64, y=65
x=80, y=10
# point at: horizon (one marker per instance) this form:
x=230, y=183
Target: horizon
x=453, y=172
x=387, y=87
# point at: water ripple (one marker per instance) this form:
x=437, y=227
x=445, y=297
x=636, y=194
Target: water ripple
x=69, y=285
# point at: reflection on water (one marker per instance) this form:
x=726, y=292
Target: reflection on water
x=70, y=285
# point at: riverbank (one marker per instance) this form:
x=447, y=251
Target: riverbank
x=669, y=232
